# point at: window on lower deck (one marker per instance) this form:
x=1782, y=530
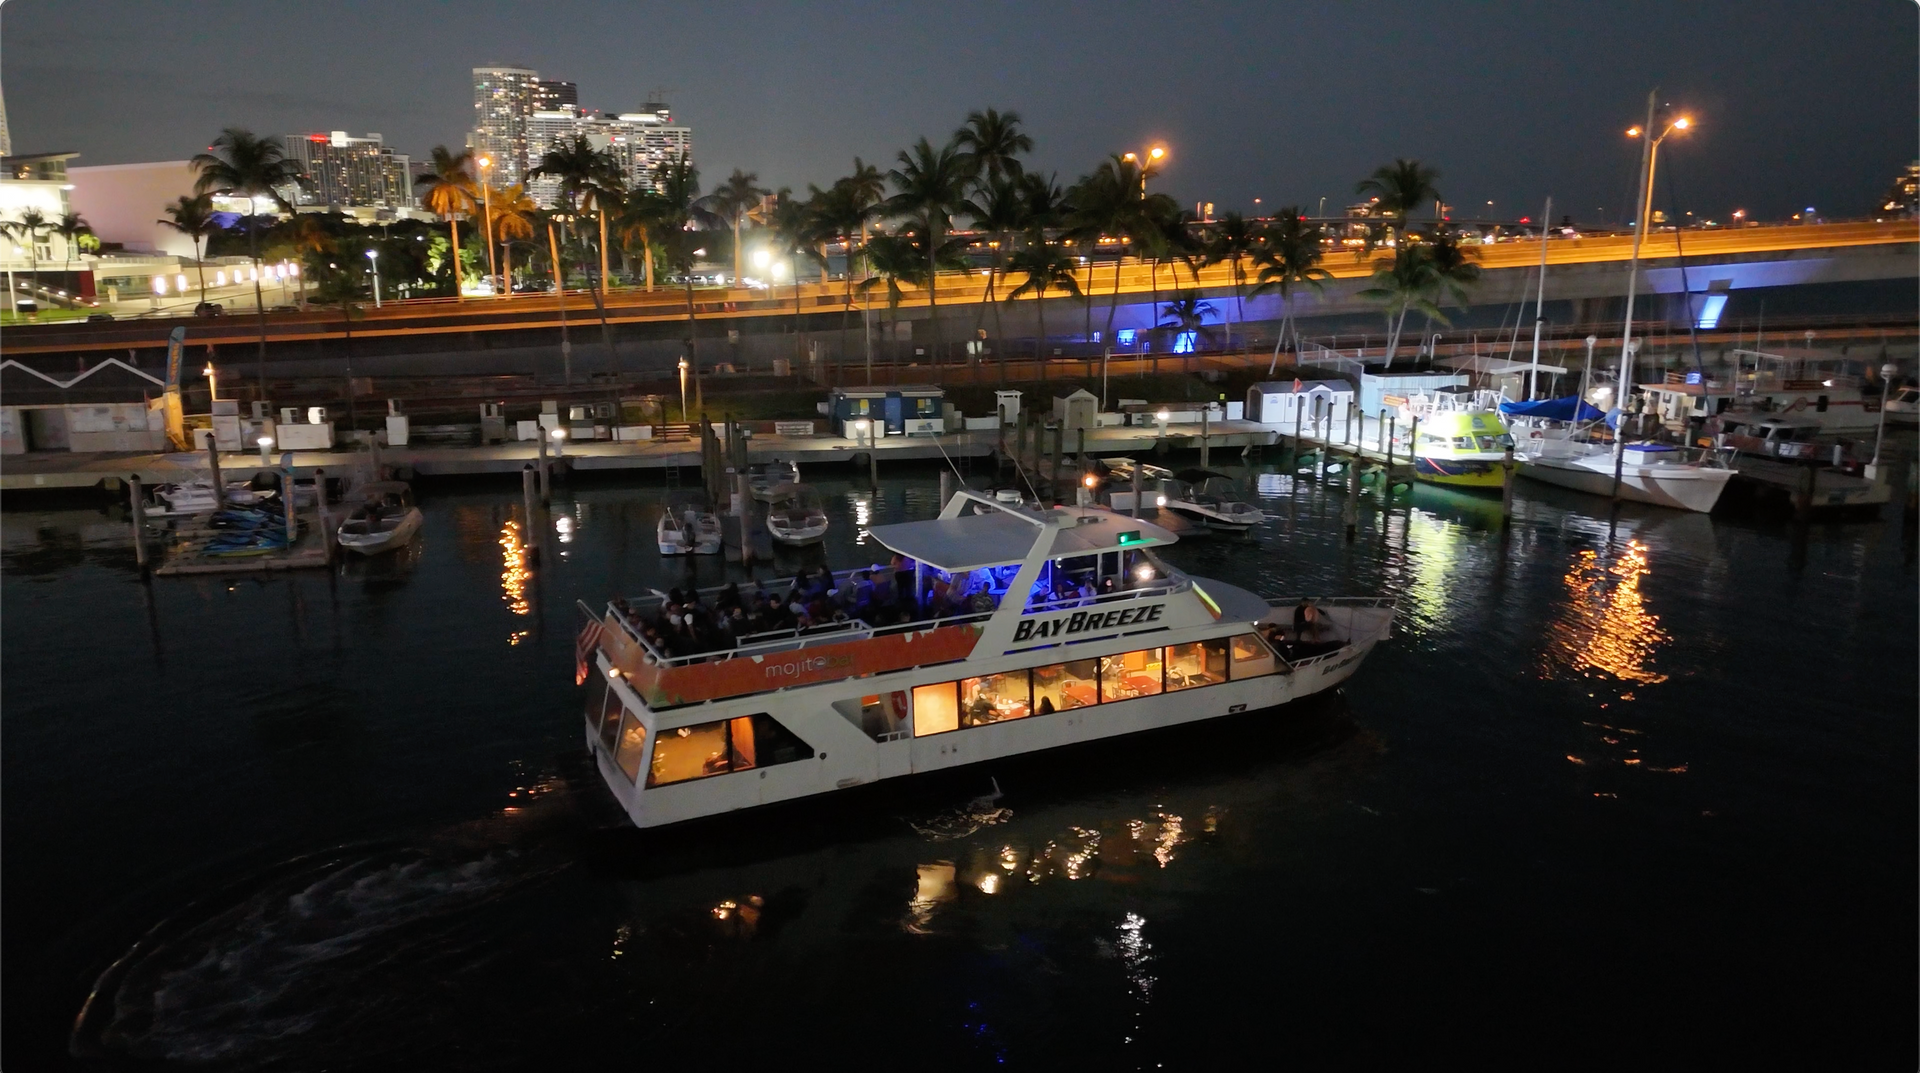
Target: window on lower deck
x=1074, y=684
x=994, y=698
x=1202, y=663
x=723, y=746
x=936, y=709
x=1130, y=674
x=1251, y=657
x=633, y=739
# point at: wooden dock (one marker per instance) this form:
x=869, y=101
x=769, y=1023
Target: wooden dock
x=177, y=550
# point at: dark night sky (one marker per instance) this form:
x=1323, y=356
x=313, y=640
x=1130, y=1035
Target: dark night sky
x=1798, y=104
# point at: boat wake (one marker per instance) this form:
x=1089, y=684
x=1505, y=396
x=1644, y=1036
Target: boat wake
x=955, y=823
x=333, y=957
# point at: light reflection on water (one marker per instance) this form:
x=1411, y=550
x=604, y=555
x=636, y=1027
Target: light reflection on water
x=1604, y=625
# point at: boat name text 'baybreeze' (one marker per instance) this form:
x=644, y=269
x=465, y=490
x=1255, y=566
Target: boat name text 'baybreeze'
x=1082, y=621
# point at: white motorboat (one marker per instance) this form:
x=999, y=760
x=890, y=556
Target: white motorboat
x=1656, y=473
x=1012, y=498
x=797, y=713
x=1903, y=407
x=766, y=478
x=796, y=516
x=1212, y=500
x=384, y=518
x=693, y=532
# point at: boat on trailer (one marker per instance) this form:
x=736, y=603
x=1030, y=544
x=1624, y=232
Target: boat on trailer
x=1052, y=629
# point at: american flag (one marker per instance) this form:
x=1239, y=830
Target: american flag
x=583, y=647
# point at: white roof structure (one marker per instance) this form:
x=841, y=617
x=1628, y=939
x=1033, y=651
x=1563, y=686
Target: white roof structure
x=974, y=541
x=1285, y=387
x=1486, y=365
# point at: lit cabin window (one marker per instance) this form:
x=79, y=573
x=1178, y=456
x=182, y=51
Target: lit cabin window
x=1251, y=657
x=936, y=709
x=1074, y=684
x=994, y=698
x=1131, y=674
x=633, y=744
x=1202, y=663
x=723, y=746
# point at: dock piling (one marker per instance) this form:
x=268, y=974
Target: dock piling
x=1136, y=489
x=1506, y=489
x=1205, y=455
x=946, y=488
x=1386, y=482
x=136, y=500
x=219, y=486
x=1350, y=514
x=546, y=476
x=527, y=481
x=323, y=512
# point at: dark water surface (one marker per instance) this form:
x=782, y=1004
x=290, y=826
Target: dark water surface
x=1638, y=792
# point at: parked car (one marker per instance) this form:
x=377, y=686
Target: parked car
x=208, y=309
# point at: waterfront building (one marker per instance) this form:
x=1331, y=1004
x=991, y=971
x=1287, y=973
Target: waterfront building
x=29, y=182
x=642, y=143
x=1904, y=196
x=551, y=95
x=343, y=172
x=502, y=106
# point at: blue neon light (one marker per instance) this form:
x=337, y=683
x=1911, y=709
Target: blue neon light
x=1183, y=343
x=1710, y=307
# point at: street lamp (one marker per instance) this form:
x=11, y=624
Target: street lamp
x=486, y=197
x=266, y=444
x=1643, y=207
x=212, y=383
x=373, y=257
x=1146, y=160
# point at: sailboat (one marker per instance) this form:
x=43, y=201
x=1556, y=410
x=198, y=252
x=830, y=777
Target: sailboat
x=1554, y=443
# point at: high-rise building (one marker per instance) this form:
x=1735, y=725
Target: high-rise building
x=641, y=143
x=550, y=95
x=346, y=172
x=502, y=104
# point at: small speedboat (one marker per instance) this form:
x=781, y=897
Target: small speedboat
x=1212, y=500
x=796, y=516
x=1008, y=499
x=693, y=532
x=766, y=478
x=196, y=497
x=384, y=519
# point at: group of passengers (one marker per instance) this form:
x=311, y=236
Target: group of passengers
x=687, y=624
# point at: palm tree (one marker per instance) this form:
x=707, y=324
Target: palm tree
x=590, y=180
x=1048, y=267
x=993, y=141
x=796, y=234
x=1291, y=258
x=1403, y=282
x=734, y=201
x=893, y=259
x=999, y=208
x=838, y=216
x=511, y=217
x=1166, y=234
x=193, y=217
x=250, y=167
x=73, y=230
x=308, y=236
x=451, y=191
x=1401, y=187
x=1188, y=313
x=931, y=185
x=1453, y=268
x=1234, y=242
x=682, y=211
x=638, y=221
x=32, y=224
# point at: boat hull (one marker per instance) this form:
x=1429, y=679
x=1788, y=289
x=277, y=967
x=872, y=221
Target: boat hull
x=1458, y=473
x=380, y=543
x=1679, y=487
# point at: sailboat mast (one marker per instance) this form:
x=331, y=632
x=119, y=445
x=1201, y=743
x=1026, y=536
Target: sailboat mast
x=1539, y=303
x=1633, y=266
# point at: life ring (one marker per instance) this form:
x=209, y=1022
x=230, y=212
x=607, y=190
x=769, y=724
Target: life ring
x=897, y=704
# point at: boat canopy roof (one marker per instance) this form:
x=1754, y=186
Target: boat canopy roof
x=972, y=542
x=1565, y=408
x=1488, y=365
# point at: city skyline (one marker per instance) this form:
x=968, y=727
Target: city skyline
x=1513, y=122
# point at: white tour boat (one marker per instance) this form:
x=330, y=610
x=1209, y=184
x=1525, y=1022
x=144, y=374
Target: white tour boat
x=764, y=479
x=1051, y=629
x=384, y=520
x=693, y=532
x=796, y=516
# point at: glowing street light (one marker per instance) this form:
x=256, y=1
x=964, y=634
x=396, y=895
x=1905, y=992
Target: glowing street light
x=486, y=198
x=1643, y=209
x=1147, y=161
x=373, y=258
x=266, y=445
x=683, y=391
x=559, y=436
x=212, y=384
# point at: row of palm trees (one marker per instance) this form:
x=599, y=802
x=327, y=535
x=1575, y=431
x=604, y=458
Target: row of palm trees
x=34, y=226
x=899, y=228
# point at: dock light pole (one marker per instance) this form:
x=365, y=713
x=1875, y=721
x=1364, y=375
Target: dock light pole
x=559, y=438
x=212, y=383
x=1887, y=373
x=683, y=391
x=486, y=198
x=373, y=258
x=266, y=445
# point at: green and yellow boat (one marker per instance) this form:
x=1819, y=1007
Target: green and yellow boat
x=1461, y=446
